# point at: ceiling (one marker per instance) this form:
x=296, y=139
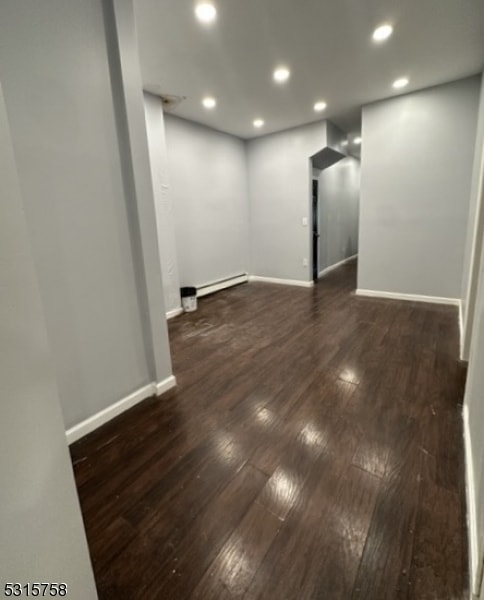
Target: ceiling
x=326, y=44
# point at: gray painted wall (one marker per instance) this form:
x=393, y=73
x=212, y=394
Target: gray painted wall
x=280, y=175
x=475, y=233
x=208, y=187
x=416, y=167
x=339, y=191
x=41, y=530
x=80, y=209
x=165, y=217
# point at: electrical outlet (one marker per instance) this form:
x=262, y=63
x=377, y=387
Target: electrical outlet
x=305, y=262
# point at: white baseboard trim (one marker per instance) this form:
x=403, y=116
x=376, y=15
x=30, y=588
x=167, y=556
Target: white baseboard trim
x=471, y=509
x=174, y=313
x=336, y=265
x=297, y=282
x=110, y=412
x=221, y=285
x=410, y=297
x=163, y=386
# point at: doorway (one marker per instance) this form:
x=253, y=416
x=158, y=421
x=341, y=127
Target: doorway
x=315, y=226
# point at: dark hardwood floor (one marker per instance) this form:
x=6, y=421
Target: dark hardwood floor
x=312, y=450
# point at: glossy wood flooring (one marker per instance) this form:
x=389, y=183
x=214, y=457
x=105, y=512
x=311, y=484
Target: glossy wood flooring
x=312, y=450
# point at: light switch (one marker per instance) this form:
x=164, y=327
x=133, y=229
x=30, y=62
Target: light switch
x=305, y=221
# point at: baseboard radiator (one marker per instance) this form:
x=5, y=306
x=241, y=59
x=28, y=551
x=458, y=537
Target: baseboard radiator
x=221, y=284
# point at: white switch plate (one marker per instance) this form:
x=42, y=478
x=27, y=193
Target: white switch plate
x=305, y=262
x=305, y=221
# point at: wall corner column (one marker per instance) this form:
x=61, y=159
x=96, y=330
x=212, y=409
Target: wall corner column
x=133, y=146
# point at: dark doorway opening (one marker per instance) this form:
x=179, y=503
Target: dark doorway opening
x=315, y=225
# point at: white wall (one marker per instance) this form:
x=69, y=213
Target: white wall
x=475, y=232
x=280, y=176
x=81, y=189
x=41, y=530
x=339, y=191
x=208, y=186
x=474, y=421
x=416, y=167
x=165, y=218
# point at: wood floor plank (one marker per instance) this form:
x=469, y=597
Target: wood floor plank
x=388, y=550
x=437, y=568
x=335, y=556
x=283, y=489
x=208, y=534
x=116, y=537
x=233, y=569
x=291, y=564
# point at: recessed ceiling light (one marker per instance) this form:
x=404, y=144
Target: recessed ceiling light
x=382, y=32
x=209, y=102
x=258, y=123
x=357, y=140
x=205, y=12
x=319, y=106
x=281, y=74
x=344, y=143
x=400, y=83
